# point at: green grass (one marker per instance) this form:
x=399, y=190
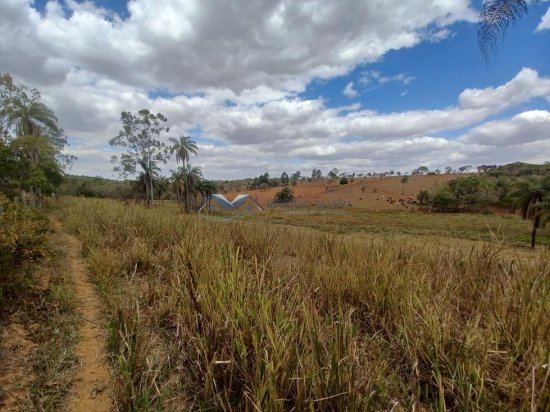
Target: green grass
x=470, y=226
x=254, y=316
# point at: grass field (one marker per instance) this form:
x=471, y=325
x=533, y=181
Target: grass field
x=504, y=227
x=249, y=315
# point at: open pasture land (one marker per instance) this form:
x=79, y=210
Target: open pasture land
x=508, y=228
x=247, y=315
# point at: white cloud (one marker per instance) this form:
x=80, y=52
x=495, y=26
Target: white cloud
x=191, y=45
x=374, y=76
x=233, y=70
x=274, y=136
x=545, y=21
x=349, y=91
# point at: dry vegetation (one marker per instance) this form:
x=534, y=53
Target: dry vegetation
x=251, y=316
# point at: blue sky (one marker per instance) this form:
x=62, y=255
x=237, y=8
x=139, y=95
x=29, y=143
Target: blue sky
x=280, y=85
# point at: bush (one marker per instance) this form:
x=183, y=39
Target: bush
x=22, y=240
x=285, y=195
x=344, y=180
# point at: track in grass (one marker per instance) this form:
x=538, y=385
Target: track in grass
x=91, y=390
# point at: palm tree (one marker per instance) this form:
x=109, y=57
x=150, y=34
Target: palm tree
x=183, y=147
x=184, y=182
x=29, y=117
x=531, y=195
x=206, y=188
x=178, y=185
x=150, y=173
x=495, y=17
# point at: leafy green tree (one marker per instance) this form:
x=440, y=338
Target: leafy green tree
x=140, y=136
x=532, y=196
x=296, y=175
x=333, y=174
x=31, y=139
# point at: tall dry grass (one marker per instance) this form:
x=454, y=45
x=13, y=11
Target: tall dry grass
x=250, y=316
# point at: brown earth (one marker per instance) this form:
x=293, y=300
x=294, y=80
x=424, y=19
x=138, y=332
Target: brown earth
x=91, y=389
x=374, y=196
x=16, y=366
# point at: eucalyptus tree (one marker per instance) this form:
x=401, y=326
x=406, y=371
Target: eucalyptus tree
x=140, y=136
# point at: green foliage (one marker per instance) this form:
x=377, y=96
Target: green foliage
x=285, y=179
x=31, y=142
x=22, y=240
x=140, y=138
x=344, y=180
x=285, y=195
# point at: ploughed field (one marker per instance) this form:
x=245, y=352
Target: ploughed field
x=251, y=315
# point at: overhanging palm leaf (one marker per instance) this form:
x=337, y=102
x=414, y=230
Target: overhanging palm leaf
x=495, y=17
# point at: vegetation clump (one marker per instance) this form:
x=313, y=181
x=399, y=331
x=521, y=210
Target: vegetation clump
x=285, y=195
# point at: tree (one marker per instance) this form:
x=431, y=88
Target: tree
x=532, y=197
x=333, y=174
x=284, y=179
x=191, y=177
x=140, y=137
x=495, y=18
x=31, y=134
x=423, y=170
x=183, y=147
x=285, y=195
x=463, y=169
x=206, y=188
x=404, y=180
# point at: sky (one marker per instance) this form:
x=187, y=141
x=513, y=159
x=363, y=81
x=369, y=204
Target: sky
x=286, y=85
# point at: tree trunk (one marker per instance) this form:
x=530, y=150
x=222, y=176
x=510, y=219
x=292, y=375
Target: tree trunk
x=533, y=236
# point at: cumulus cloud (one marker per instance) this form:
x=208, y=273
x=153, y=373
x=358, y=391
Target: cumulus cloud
x=545, y=21
x=193, y=45
x=230, y=73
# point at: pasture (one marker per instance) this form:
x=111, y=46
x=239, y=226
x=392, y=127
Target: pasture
x=289, y=311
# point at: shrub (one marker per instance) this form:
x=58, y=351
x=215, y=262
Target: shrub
x=22, y=240
x=344, y=180
x=285, y=195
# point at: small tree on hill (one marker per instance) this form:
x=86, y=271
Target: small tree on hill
x=285, y=195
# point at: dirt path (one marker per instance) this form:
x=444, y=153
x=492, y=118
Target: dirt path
x=91, y=390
